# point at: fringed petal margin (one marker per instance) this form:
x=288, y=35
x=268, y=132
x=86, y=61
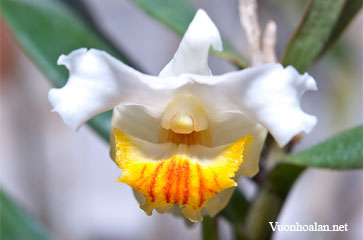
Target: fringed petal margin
x=168, y=174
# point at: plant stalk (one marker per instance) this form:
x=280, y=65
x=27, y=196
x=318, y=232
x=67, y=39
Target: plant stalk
x=210, y=228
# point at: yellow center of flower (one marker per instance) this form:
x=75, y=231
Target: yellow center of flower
x=184, y=114
x=182, y=123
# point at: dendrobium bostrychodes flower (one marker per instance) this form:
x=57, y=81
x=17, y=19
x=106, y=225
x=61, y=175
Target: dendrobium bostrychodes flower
x=183, y=138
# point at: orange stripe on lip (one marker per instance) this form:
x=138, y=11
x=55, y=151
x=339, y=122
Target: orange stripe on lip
x=153, y=181
x=169, y=183
x=177, y=187
x=215, y=180
x=201, y=186
x=186, y=171
x=142, y=178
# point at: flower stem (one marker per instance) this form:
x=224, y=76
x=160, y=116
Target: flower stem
x=265, y=209
x=235, y=212
x=209, y=228
x=237, y=208
x=270, y=199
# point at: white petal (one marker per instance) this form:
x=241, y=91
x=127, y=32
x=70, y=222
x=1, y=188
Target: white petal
x=136, y=121
x=218, y=202
x=268, y=94
x=98, y=82
x=233, y=126
x=251, y=166
x=192, y=54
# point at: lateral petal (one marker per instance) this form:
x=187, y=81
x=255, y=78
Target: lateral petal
x=98, y=82
x=233, y=126
x=136, y=121
x=218, y=202
x=269, y=94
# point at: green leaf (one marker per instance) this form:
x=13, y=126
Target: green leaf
x=344, y=151
x=177, y=14
x=351, y=8
x=320, y=26
x=81, y=10
x=46, y=29
x=282, y=177
x=16, y=224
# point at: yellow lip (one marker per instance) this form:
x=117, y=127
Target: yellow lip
x=187, y=176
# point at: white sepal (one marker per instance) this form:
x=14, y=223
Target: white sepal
x=192, y=54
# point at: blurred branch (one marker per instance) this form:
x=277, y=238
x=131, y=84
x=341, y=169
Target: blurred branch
x=210, y=228
x=270, y=200
x=235, y=212
x=269, y=43
x=259, y=54
x=177, y=15
x=251, y=26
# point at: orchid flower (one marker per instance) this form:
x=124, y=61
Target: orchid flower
x=183, y=138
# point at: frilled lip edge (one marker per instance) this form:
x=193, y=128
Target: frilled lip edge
x=169, y=174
